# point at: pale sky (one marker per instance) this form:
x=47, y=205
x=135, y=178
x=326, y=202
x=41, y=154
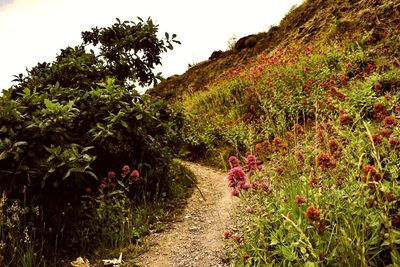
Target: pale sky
x=33, y=31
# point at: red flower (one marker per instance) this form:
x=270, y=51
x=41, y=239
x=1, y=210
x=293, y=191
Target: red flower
x=312, y=214
x=386, y=132
x=300, y=200
x=111, y=175
x=333, y=146
x=377, y=138
x=88, y=190
x=389, y=121
x=125, y=170
x=234, y=161
x=324, y=161
x=235, y=192
x=227, y=234
x=371, y=172
x=135, y=174
x=393, y=142
x=345, y=120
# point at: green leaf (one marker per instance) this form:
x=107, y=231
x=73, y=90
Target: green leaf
x=289, y=254
x=139, y=117
x=124, y=124
x=3, y=155
x=310, y=264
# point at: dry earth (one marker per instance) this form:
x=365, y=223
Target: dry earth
x=196, y=239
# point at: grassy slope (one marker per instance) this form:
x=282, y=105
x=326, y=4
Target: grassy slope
x=323, y=112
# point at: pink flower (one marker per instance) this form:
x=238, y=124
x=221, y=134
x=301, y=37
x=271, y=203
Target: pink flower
x=253, y=164
x=234, y=161
x=235, y=192
x=245, y=186
x=111, y=175
x=236, y=173
x=125, y=170
x=135, y=174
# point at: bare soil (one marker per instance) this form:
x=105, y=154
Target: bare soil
x=196, y=237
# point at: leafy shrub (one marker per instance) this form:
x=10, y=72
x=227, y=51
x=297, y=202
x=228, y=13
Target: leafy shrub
x=68, y=123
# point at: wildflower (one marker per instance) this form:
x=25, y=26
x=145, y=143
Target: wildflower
x=285, y=199
x=277, y=143
x=237, y=174
x=227, y=234
x=397, y=108
x=245, y=186
x=125, y=170
x=393, y=142
x=324, y=161
x=234, y=161
x=377, y=138
x=266, y=144
x=389, y=121
x=312, y=214
x=333, y=146
x=313, y=181
x=88, y=190
x=135, y=174
x=345, y=120
x=386, y=132
x=370, y=172
x=253, y=164
x=235, y=192
x=300, y=200
x=111, y=175
x=349, y=65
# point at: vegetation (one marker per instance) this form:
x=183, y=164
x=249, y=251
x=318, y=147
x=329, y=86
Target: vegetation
x=323, y=118
x=81, y=150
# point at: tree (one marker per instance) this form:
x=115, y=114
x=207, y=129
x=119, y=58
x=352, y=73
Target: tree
x=127, y=51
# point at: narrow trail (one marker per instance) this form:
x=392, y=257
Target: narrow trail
x=196, y=239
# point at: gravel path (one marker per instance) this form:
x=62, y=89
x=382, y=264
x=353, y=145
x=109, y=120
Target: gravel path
x=196, y=239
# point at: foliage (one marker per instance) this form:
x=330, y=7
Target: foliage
x=127, y=51
x=324, y=120
x=69, y=123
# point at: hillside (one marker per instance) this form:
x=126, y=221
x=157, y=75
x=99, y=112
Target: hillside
x=308, y=115
x=321, y=20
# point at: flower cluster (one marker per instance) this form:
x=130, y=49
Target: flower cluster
x=325, y=161
x=237, y=180
x=312, y=214
x=253, y=165
x=110, y=182
x=371, y=174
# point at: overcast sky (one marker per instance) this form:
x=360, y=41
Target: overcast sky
x=33, y=31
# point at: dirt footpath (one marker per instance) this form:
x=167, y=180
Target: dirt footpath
x=197, y=238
